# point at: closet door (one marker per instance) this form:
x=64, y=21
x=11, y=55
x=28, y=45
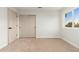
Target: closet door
x=27, y=26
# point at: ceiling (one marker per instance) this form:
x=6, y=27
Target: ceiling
x=36, y=8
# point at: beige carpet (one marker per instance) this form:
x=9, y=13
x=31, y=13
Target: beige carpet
x=39, y=45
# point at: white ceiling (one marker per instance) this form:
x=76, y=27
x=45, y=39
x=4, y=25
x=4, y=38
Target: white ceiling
x=36, y=9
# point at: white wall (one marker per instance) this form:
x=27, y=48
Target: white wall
x=47, y=23
x=3, y=27
x=70, y=35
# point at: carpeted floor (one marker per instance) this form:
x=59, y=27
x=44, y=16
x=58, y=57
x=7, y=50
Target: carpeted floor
x=39, y=45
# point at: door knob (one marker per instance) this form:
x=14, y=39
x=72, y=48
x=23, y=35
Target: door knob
x=10, y=28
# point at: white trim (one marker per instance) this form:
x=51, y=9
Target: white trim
x=3, y=45
x=47, y=36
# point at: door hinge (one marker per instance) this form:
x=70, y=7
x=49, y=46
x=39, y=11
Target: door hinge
x=16, y=35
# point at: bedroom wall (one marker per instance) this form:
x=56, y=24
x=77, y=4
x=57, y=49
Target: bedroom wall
x=3, y=27
x=47, y=23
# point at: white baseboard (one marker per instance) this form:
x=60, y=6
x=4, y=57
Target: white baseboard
x=47, y=36
x=2, y=46
x=75, y=45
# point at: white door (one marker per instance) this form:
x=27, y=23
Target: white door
x=27, y=26
x=12, y=25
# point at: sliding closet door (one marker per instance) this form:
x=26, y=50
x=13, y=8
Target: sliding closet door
x=27, y=26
